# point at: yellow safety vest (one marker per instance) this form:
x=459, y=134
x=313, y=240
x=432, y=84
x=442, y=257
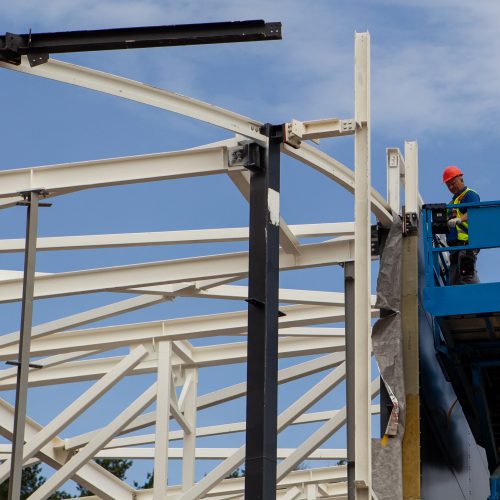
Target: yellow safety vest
x=463, y=227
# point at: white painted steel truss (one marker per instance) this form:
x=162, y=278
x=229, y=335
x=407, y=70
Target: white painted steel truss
x=167, y=352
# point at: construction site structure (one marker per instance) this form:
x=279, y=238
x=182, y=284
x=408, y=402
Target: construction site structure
x=274, y=324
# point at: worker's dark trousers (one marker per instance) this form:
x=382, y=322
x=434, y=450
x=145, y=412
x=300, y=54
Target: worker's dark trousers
x=463, y=267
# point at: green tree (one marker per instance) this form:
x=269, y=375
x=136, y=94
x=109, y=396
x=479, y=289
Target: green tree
x=31, y=480
x=150, y=478
x=117, y=467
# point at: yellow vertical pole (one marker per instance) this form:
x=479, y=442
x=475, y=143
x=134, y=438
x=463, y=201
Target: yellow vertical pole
x=409, y=314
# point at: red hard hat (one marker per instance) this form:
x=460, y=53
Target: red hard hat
x=450, y=173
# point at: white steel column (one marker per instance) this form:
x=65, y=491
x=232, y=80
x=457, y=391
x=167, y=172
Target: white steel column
x=409, y=316
x=362, y=268
x=164, y=390
x=188, y=404
x=412, y=198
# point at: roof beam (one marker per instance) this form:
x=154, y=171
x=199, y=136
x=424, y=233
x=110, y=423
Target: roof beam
x=190, y=236
x=38, y=46
x=224, y=324
x=136, y=91
x=139, y=92
x=56, y=179
x=191, y=269
x=92, y=369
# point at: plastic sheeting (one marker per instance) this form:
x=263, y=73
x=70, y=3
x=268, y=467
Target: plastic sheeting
x=387, y=342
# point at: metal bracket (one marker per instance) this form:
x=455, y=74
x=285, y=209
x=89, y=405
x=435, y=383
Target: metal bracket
x=255, y=302
x=410, y=222
x=17, y=45
x=248, y=155
x=27, y=198
x=294, y=131
x=314, y=130
x=10, y=51
x=379, y=235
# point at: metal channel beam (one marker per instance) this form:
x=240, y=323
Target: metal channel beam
x=190, y=236
x=216, y=325
x=217, y=430
x=39, y=45
x=362, y=270
x=174, y=271
x=16, y=466
x=409, y=316
x=85, y=317
x=199, y=110
x=137, y=91
x=56, y=179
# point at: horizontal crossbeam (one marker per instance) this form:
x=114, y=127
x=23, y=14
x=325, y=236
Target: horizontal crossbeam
x=174, y=271
x=41, y=44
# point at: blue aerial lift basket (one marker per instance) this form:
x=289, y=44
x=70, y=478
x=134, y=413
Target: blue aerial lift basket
x=467, y=325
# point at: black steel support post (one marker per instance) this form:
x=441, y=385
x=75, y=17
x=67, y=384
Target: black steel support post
x=263, y=286
x=350, y=387
x=16, y=469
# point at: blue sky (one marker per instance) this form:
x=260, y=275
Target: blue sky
x=435, y=78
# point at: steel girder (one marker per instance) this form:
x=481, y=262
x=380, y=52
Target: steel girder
x=164, y=347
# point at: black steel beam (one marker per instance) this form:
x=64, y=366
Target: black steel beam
x=37, y=46
x=263, y=286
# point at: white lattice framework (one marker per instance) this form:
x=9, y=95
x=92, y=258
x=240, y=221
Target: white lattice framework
x=164, y=348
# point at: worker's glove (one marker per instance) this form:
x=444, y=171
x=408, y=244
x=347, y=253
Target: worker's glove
x=453, y=222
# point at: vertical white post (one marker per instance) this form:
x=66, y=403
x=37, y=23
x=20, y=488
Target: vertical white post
x=362, y=267
x=189, y=452
x=411, y=177
x=164, y=389
x=311, y=492
x=394, y=179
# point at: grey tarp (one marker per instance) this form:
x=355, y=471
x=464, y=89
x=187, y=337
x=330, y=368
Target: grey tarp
x=387, y=344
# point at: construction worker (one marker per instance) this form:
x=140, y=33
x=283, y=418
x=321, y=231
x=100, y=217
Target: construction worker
x=462, y=262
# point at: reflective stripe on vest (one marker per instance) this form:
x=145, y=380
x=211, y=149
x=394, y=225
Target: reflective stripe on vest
x=463, y=227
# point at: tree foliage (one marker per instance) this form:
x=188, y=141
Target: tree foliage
x=31, y=480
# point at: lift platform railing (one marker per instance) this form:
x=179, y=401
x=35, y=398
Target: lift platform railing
x=441, y=298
